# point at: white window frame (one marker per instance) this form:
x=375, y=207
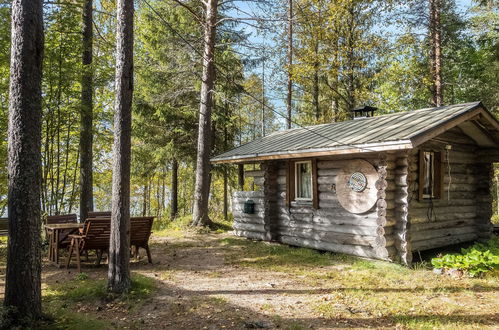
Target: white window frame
x=309, y=162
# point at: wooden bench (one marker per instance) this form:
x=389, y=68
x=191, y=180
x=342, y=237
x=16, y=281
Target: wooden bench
x=62, y=218
x=4, y=226
x=96, y=235
x=99, y=214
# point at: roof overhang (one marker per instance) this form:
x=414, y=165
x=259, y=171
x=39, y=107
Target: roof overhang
x=476, y=113
x=355, y=149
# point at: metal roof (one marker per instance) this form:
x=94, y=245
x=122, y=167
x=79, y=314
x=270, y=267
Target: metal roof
x=402, y=130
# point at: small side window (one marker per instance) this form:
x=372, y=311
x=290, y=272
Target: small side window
x=430, y=175
x=303, y=180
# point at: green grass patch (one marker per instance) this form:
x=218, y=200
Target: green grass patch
x=61, y=300
x=181, y=227
x=279, y=257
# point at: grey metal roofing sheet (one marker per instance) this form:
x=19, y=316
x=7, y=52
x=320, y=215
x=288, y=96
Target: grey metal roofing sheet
x=384, y=129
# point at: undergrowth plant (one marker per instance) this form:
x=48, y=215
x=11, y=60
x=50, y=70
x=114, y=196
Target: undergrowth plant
x=475, y=260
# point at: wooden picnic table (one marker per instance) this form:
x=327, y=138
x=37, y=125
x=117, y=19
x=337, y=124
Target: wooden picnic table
x=54, y=237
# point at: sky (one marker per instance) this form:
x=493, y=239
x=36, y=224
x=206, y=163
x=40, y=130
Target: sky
x=258, y=40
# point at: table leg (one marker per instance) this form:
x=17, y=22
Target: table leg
x=49, y=239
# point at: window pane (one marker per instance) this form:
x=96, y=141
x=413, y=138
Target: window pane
x=429, y=174
x=304, y=183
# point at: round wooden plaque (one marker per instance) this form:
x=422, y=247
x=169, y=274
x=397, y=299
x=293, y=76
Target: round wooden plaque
x=355, y=186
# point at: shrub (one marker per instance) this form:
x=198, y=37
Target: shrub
x=475, y=260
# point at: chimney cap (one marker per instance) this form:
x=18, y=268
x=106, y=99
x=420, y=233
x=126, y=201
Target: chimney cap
x=365, y=111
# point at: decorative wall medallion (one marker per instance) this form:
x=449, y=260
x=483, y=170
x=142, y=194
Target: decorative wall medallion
x=357, y=182
x=355, y=186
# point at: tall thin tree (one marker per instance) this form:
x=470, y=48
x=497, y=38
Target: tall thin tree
x=202, y=187
x=23, y=278
x=289, y=98
x=174, y=202
x=86, y=134
x=435, y=28
x=119, y=247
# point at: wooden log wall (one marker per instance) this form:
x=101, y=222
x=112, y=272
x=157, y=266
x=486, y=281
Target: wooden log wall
x=331, y=227
x=463, y=213
x=249, y=225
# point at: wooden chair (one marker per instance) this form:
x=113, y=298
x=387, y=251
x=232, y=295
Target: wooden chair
x=4, y=226
x=95, y=236
x=64, y=239
x=140, y=231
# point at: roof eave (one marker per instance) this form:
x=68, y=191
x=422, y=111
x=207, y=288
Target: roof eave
x=471, y=113
x=355, y=149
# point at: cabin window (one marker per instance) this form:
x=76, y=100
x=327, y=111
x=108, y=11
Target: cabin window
x=430, y=175
x=303, y=181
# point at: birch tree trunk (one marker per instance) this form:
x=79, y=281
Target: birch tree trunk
x=436, y=52
x=202, y=187
x=86, y=133
x=23, y=278
x=119, y=247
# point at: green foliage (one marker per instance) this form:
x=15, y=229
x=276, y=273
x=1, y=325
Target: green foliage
x=475, y=260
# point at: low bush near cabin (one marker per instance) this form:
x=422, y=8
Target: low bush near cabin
x=475, y=260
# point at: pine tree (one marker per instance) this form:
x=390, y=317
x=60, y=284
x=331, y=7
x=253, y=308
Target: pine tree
x=119, y=247
x=23, y=278
x=86, y=134
x=202, y=187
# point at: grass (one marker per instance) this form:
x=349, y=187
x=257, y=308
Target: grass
x=61, y=300
x=277, y=257
x=180, y=227
x=374, y=292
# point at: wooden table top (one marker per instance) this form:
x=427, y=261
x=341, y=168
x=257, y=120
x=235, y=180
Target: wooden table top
x=69, y=225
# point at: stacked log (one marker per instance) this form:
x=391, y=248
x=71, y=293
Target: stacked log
x=402, y=209
x=270, y=199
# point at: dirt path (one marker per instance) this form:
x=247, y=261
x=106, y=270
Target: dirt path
x=201, y=286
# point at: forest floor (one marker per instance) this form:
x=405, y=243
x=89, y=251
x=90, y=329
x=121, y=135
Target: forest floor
x=217, y=281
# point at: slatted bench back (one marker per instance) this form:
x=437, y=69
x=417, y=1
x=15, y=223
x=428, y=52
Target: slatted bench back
x=63, y=218
x=140, y=229
x=99, y=214
x=4, y=226
x=97, y=233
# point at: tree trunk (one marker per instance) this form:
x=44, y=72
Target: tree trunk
x=23, y=278
x=119, y=247
x=202, y=188
x=436, y=52
x=174, y=208
x=289, y=98
x=144, y=198
x=240, y=177
x=226, y=201
x=86, y=134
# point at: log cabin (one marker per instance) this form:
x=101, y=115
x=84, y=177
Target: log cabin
x=382, y=187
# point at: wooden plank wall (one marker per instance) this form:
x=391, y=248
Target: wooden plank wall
x=463, y=213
